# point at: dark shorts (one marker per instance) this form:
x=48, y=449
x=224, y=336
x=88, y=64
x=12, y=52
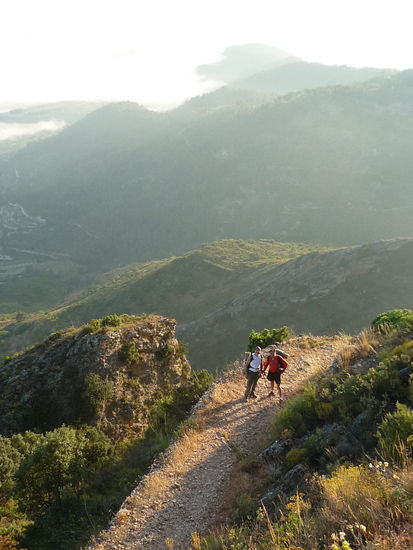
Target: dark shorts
x=275, y=376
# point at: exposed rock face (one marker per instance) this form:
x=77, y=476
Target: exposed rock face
x=109, y=376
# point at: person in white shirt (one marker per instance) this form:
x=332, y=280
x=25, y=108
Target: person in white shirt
x=252, y=373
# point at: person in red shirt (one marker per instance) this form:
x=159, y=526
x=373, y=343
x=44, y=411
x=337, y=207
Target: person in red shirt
x=277, y=365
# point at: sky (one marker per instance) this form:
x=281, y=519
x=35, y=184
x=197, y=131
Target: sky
x=147, y=50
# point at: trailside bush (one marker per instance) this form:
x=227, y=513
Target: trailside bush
x=299, y=414
x=173, y=407
x=400, y=320
x=267, y=337
x=394, y=432
x=356, y=492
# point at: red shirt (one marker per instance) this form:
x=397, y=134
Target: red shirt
x=275, y=363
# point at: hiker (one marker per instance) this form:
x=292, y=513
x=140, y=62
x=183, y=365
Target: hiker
x=277, y=365
x=252, y=373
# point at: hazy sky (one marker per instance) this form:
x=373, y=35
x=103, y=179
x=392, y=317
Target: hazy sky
x=147, y=50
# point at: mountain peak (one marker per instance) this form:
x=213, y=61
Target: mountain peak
x=241, y=61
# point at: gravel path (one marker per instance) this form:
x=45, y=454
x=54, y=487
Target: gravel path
x=184, y=492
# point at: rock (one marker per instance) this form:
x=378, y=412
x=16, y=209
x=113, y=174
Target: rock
x=87, y=375
x=274, y=452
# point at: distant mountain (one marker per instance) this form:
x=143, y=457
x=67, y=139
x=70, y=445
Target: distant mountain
x=19, y=127
x=69, y=111
x=300, y=75
x=124, y=184
x=241, y=61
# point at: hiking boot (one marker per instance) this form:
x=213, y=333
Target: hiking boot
x=281, y=399
x=271, y=394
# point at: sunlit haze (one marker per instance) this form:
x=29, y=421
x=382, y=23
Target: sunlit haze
x=148, y=51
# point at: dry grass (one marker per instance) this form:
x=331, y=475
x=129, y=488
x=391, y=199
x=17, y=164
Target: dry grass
x=367, y=342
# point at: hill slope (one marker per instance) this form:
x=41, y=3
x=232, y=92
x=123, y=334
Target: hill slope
x=320, y=293
x=184, y=287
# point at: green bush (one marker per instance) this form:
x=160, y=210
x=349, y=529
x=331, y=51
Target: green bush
x=175, y=405
x=182, y=349
x=266, y=337
x=92, y=326
x=299, y=414
x=400, y=320
x=394, y=432
x=246, y=508
x=128, y=353
x=58, y=467
x=296, y=456
x=112, y=321
x=10, y=459
x=97, y=393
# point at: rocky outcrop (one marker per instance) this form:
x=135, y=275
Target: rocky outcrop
x=108, y=373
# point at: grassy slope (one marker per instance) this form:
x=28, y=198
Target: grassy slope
x=183, y=287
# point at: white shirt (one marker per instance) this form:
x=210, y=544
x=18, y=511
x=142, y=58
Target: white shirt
x=255, y=363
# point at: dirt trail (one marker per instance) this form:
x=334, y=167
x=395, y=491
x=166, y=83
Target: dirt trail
x=185, y=491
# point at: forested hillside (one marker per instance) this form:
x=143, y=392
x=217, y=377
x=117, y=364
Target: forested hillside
x=125, y=184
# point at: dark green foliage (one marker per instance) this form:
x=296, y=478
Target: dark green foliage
x=394, y=432
x=296, y=456
x=93, y=325
x=98, y=391
x=246, y=508
x=400, y=320
x=112, y=321
x=182, y=348
x=128, y=353
x=168, y=350
x=176, y=404
x=70, y=481
x=266, y=337
x=9, y=461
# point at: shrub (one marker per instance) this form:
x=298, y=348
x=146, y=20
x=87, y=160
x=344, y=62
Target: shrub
x=168, y=350
x=299, y=414
x=400, y=320
x=111, y=321
x=296, y=456
x=266, y=337
x=92, y=326
x=173, y=407
x=58, y=466
x=182, y=349
x=246, y=508
x=356, y=493
x=97, y=393
x=9, y=462
x=128, y=353
x=394, y=432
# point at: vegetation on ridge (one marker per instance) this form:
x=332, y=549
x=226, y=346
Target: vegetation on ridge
x=341, y=466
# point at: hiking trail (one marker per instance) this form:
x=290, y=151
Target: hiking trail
x=185, y=490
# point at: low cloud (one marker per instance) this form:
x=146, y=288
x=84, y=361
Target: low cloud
x=14, y=130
